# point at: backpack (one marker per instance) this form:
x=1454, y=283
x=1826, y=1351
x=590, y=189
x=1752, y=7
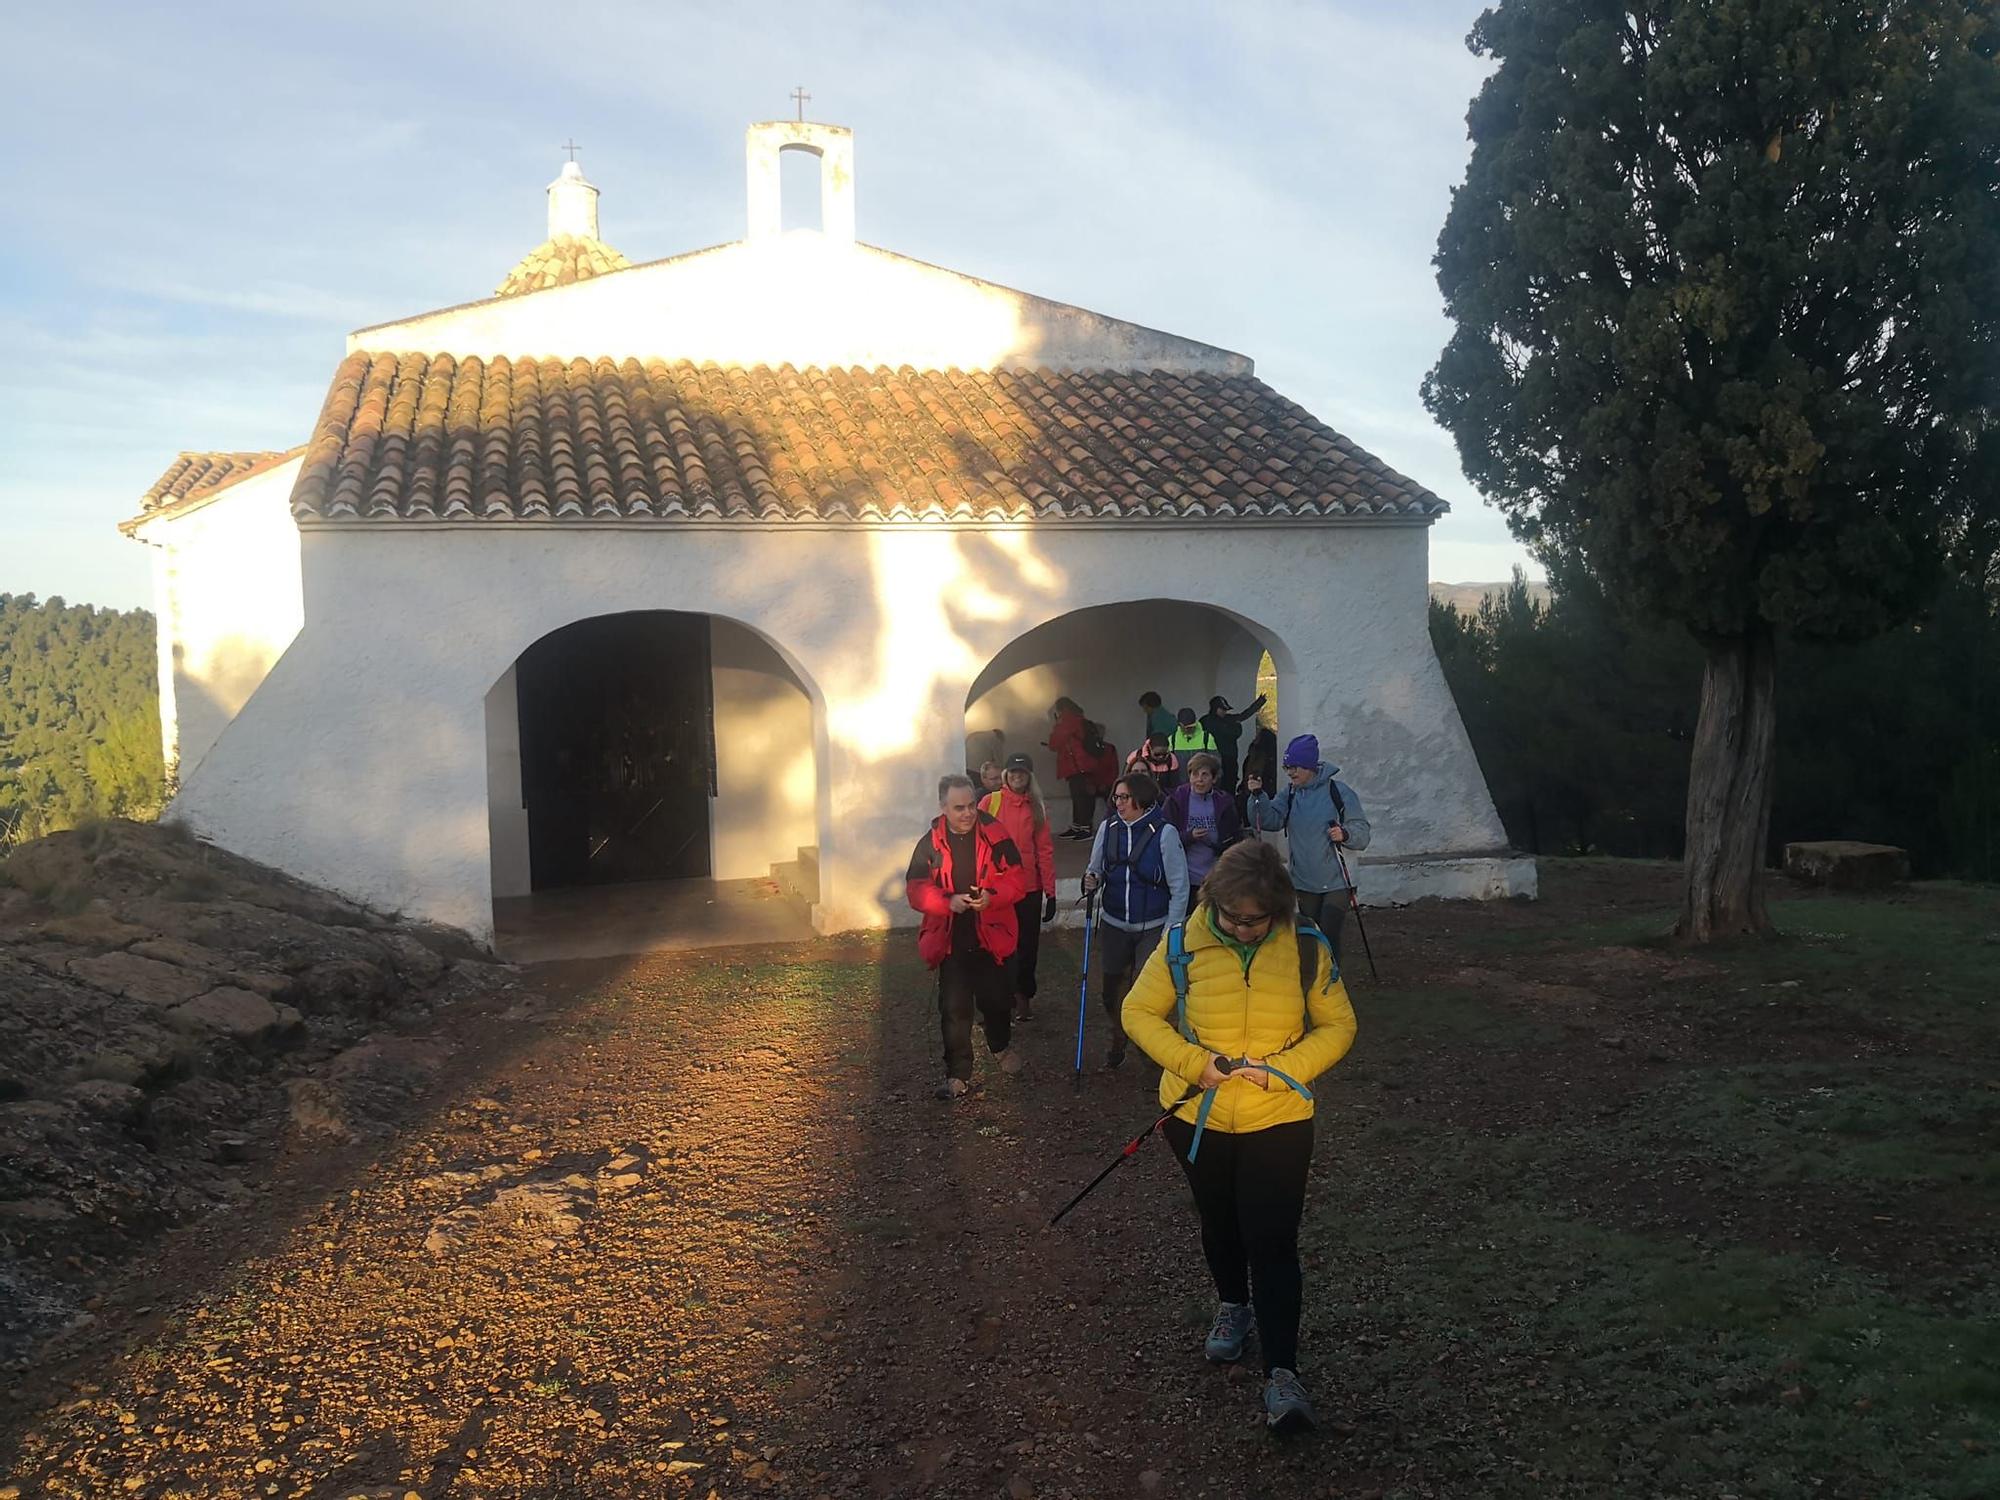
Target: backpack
x=1093, y=738
x=1179, y=960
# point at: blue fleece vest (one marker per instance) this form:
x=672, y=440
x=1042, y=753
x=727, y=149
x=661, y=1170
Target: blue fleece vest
x=1135, y=891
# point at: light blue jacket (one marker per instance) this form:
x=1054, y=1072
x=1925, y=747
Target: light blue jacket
x=1304, y=813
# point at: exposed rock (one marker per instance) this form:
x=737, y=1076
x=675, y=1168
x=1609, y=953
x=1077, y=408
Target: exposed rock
x=146, y=1035
x=107, y=1099
x=96, y=926
x=239, y=1014
x=146, y=980
x=316, y=1110
x=170, y=950
x=542, y=1212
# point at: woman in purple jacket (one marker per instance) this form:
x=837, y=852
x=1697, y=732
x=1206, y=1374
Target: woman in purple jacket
x=1205, y=817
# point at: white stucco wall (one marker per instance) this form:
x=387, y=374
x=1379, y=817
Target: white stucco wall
x=506, y=811
x=362, y=761
x=766, y=780
x=228, y=593
x=800, y=298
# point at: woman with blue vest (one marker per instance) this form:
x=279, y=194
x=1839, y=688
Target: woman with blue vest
x=1322, y=822
x=1138, y=864
x=1253, y=1016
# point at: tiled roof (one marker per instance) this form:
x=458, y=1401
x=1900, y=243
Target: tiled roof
x=558, y=262
x=430, y=437
x=193, y=476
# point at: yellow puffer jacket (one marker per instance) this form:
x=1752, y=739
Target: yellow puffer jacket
x=1239, y=1013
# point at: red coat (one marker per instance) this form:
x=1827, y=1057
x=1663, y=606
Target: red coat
x=998, y=869
x=1066, y=739
x=1017, y=816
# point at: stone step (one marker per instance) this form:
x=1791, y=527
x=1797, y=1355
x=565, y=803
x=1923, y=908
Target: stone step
x=798, y=879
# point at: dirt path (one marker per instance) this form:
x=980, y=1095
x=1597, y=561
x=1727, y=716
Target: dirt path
x=701, y=1230
x=695, y=1226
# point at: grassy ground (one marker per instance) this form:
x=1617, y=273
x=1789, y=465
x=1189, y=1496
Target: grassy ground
x=1673, y=1226
x=1591, y=1216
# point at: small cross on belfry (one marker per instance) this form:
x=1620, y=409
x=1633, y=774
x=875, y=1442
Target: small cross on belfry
x=571, y=147
x=799, y=96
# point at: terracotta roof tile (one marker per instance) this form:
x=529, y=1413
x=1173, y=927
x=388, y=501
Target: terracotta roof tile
x=430, y=437
x=560, y=261
x=194, y=476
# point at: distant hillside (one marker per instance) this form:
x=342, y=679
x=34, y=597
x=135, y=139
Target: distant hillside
x=1467, y=596
x=79, y=715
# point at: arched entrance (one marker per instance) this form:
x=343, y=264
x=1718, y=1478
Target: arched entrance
x=1104, y=657
x=652, y=782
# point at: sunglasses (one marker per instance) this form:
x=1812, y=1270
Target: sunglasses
x=1234, y=920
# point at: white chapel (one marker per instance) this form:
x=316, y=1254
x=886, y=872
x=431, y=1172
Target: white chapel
x=696, y=568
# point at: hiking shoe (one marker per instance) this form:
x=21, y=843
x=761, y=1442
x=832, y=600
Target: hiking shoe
x=1286, y=1409
x=1114, y=1055
x=953, y=1089
x=1024, y=1009
x=1010, y=1061
x=1075, y=831
x=1229, y=1332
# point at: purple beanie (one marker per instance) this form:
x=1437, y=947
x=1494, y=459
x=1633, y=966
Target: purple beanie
x=1303, y=751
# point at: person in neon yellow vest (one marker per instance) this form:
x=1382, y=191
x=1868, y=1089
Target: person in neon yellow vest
x=1191, y=738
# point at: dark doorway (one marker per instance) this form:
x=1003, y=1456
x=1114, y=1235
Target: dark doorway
x=617, y=750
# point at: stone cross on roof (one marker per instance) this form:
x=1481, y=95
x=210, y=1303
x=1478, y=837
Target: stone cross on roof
x=799, y=97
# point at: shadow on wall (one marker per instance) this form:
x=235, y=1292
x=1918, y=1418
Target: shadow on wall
x=211, y=688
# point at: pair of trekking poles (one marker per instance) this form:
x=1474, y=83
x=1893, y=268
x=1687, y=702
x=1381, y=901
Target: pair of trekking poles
x=1222, y=1064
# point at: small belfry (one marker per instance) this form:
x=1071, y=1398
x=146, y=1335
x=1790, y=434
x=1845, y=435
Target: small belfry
x=572, y=252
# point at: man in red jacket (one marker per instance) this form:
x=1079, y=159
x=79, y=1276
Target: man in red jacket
x=966, y=876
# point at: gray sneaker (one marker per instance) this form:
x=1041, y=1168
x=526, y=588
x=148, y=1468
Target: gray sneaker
x=1286, y=1409
x=953, y=1088
x=1229, y=1332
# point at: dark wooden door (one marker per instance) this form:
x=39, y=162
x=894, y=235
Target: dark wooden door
x=617, y=750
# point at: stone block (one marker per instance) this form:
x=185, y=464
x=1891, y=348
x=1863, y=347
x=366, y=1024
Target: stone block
x=240, y=1014
x=1843, y=864
x=146, y=980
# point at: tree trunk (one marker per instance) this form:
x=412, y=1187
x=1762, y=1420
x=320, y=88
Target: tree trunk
x=1729, y=789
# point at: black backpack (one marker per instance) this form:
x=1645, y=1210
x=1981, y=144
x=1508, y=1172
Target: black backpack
x=1093, y=738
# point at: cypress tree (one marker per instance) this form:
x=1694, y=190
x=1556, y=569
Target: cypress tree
x=1725, y=281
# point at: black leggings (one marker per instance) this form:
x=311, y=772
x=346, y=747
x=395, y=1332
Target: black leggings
x=1326, y=910
x=1082, y=801
x=1250, y=1189
x=1028, y=946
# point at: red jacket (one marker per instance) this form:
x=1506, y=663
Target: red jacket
x=1066, y=739
x=1017, y=816
x=999, y=870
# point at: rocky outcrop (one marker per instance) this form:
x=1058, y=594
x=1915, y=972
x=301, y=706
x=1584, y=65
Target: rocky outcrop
x=168, y=1012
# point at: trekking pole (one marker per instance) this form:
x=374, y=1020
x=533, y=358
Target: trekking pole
x=1083, y=985
x=1354, y=905
x=1222, y=1064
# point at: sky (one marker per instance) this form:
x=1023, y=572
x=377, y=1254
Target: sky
x=203, y=199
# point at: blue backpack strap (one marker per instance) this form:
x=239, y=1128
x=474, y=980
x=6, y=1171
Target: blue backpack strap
x=1178, y=961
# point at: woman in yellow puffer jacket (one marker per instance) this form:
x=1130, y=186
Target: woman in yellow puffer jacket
x=1262, y=1031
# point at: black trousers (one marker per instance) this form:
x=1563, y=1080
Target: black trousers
x=1082, y=801
x=1250, y=1190
x=969, y=981
x=1028, y=950
x=1118, y=954
x=1327, y=910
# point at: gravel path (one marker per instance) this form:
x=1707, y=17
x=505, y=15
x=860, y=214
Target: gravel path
x=695, y=1227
